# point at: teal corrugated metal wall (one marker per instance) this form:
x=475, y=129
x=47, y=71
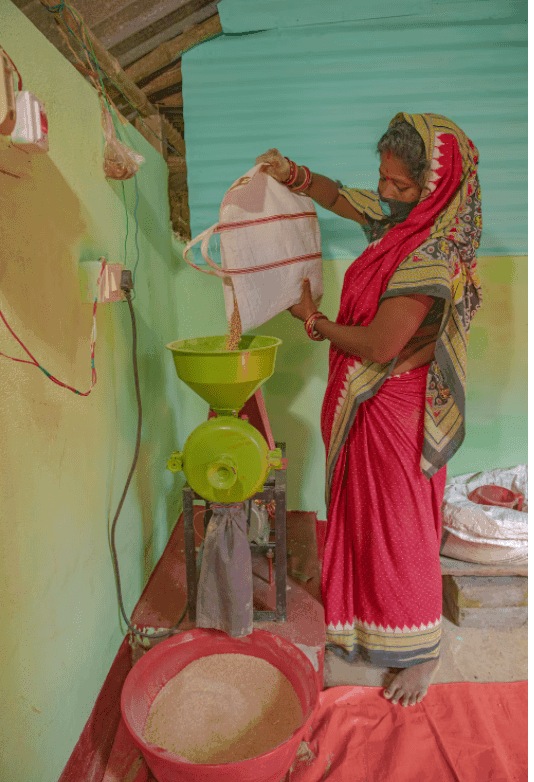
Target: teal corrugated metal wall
x=245, y=16
x=324, y=93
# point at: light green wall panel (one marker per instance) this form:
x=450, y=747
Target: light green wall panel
x=64, y=458
x=497, y=379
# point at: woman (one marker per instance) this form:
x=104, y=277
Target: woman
x=394, y=409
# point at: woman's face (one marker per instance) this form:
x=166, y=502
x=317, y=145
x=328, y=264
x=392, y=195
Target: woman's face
x=395, y=182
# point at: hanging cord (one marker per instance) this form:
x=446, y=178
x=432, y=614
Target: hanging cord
x=114, y=557
x=96, y=77
x=34, y=361
x=14, y=67
x=136, y=225
x=93, y=62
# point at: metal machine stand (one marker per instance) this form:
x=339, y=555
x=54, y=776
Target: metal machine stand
x=275, y=488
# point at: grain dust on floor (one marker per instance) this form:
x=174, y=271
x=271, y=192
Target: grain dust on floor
x=467, y=654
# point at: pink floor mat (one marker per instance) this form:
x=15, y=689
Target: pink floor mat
x=461, y=732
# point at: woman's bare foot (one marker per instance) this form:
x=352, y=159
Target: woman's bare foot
x=411, y=684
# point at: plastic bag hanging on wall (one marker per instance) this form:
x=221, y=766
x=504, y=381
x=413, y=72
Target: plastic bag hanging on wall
x=7, y=95
x=120, y=162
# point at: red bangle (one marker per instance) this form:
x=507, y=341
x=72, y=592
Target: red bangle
x=293, y=173
x=309, y=325
x=307, y=180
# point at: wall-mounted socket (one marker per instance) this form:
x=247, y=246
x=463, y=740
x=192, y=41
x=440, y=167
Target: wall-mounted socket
x=109, y=288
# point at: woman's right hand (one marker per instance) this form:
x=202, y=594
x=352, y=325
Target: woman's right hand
x=276, y=165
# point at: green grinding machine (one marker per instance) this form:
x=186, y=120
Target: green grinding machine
x=226, y=460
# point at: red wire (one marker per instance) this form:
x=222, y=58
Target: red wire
x=14, y=66
x=34, y=361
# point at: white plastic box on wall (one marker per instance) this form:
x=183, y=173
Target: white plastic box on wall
x=31, y=127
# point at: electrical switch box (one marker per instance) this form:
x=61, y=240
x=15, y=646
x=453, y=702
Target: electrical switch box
x=109, y=288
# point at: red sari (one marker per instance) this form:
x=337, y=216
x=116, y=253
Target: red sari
x=389, y=437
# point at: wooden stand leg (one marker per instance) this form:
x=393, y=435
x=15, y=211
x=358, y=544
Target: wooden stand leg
x=281, y=543
x=190, y=554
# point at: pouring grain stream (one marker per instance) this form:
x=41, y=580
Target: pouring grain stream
x=234, y=336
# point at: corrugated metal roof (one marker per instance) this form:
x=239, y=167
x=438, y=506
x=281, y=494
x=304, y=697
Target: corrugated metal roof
x=243, y=16
x=324, y=94
x=127, y=29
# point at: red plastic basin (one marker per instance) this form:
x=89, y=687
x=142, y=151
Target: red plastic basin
x=490, y=494
x=150, y=674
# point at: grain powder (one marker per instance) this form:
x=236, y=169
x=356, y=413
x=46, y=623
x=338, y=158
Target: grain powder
x=234, y=328
x=224, y=708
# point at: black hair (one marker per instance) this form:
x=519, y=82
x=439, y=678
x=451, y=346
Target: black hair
x=403, y=141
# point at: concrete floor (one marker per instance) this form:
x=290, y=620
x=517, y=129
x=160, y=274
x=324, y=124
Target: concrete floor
x=467, y=654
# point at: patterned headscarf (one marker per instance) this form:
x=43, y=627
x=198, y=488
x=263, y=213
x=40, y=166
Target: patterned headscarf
x=432, y=252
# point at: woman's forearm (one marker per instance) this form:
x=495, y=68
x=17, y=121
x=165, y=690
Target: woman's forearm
x=322, y=190
x=325, y=192
x=359, y=341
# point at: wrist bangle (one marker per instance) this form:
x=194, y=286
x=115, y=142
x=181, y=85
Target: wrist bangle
x=293, y=173
x=309, y=326
x=307, y=180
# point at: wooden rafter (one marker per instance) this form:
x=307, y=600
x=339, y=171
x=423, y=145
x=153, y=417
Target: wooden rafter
x=168, y=79
x=113, y=70
x=170, y=50
x=154, y=122
x=175, y=101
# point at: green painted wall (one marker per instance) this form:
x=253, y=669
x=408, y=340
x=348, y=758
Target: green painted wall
x=64, y=458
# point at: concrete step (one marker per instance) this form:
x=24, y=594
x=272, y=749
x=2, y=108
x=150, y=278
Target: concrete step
x=485, y=601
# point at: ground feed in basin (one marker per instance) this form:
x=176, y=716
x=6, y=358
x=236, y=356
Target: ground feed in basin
x=224, y=708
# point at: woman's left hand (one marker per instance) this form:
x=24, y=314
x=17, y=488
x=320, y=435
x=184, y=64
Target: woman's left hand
x=306, y=305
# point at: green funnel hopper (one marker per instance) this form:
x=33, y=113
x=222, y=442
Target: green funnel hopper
x=225, y=378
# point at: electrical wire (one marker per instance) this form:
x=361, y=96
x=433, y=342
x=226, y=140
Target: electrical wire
x=34, y=361
x=114, y=557
x=127, y=226
x=16, y=70
x=58, y=9
x=91, y=55
x=136, y=227
x=93, y=62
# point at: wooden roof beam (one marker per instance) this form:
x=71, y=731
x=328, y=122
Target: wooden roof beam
x=167, y=79
x=167, y=52
x=113, y=70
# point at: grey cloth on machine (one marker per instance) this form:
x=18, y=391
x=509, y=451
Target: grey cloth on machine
x=224, y=596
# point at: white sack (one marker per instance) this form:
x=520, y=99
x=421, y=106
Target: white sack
x=262, y=223
x=487, y=534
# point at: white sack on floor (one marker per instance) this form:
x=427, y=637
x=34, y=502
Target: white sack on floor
x=486, y=534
